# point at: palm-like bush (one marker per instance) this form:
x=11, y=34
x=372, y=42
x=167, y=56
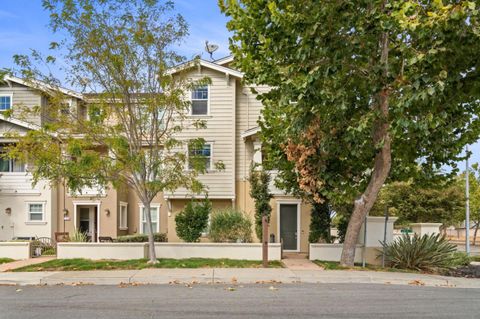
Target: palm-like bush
x=78, y=236
x=427, y=252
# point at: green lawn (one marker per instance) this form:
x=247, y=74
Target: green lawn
x=86, y=264
x=5, y=260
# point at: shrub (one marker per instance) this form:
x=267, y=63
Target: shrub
x=142, y=238
x=230, y=225
x=460, y=259
x=78, y=236
x=428, y=252
x=192, y=221
x=320, y=223
x=260, y=192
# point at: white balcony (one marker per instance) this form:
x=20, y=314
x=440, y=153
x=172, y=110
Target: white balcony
x=18, y=184
x=273, y=189
x=95, y=191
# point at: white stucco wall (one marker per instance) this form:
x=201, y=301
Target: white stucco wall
x=375, y=231
x=124, y=251
x=331, y=252
x=216, y=250
x=15, y=250
x=97, y=251
x=15, y=192
x=426, y=228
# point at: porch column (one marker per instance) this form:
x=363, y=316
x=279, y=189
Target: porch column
x=257, y=152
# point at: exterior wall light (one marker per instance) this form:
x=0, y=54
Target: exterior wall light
x=8, y=211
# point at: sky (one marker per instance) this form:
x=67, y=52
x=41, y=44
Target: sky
x=24, y=25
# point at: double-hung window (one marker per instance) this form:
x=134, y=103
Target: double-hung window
x=200, y=156
x=123, y=223
x=5, y=102
x=155, y=213
x=200, y=100
x=36, y=212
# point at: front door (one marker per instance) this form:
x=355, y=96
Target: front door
x=289, y=226
x=87, y=221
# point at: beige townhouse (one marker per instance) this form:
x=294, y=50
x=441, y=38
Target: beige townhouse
x=231, y=112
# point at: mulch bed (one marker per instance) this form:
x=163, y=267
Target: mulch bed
x=470, y=271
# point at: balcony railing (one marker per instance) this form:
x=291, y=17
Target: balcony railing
x=95, y=191
x=273, y=189
x=18, y=183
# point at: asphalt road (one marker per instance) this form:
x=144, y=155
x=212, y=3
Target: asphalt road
x=251, y=301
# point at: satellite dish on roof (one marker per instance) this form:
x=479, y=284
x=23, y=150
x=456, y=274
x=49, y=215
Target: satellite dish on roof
x=210, y=48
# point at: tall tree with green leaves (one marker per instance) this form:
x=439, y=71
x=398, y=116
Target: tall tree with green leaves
x=119, y=50
x=415, y=202
x=365, y=90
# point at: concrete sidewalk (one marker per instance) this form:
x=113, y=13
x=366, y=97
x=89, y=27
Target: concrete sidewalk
x=231, y=276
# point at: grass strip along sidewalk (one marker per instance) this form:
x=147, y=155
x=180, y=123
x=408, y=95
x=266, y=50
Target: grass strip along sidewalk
x=5, y=260
x=86, y=264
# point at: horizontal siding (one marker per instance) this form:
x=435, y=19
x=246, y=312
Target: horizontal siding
x=248, y=113
x=220, y=132
x=22, y=97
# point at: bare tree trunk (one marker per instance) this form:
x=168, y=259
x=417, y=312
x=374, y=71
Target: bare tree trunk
x=477, y=225
x=381, y=170
x=151, y=239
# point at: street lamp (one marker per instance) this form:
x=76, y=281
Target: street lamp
x=467, y=205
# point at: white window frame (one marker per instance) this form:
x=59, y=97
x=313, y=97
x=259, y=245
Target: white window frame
x=123, y=221
x=208, y=103
x=29, y=220
x=11, y=100
x=140, y=225
x=211, y=157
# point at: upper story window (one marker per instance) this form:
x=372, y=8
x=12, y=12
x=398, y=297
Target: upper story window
x=200, y=101
x=8, y=165
x=200, y=154
x=5, y=102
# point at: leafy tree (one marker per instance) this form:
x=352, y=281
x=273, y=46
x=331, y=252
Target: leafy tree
x=192, y=221
x=416, y=203
x=259, y=190
x=120, y=51
x=353, y=83
x=320, y=223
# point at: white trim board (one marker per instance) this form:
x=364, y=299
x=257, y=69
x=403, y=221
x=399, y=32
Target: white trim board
x=140, y=215
x=86, y=203
x=207, y=64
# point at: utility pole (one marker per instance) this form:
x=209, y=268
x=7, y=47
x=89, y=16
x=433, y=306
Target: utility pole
x=467, y=204
x=264, y=242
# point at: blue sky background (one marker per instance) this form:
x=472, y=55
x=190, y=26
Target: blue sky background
x=24, y=25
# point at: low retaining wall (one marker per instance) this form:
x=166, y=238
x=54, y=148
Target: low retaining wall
x=426, y=228
x=96, y=251
x=15, y=250
x=250, y=251
x=124, y=251
x=333, y=252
